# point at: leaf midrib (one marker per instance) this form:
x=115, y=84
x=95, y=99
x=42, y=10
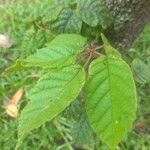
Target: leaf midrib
x=110, y=89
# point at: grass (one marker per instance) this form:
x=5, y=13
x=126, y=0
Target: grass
x=62, y=133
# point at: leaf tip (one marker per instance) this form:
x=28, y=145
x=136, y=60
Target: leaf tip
x=109, y=50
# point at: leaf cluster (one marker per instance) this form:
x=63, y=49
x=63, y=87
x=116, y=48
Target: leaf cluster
x=108, y=104
x=104, y=85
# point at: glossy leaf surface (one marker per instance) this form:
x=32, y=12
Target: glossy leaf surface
x=110, y=99
x=50, y=96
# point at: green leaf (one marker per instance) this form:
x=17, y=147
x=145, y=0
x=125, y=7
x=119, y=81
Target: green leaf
x=67, y=22
x=52, y=14
x=74, y=40
x=16, y=67
x=59, y=52
x=93, y=13
x=109, y=50
x=81, y=131
x=35, y=11
x=66, y=3
x=53, y=57
x=110, y=99
x=50, y=96
x=141, y=71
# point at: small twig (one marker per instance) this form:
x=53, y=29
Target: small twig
x=97, y=53
x=98, y=47
x=88, y=60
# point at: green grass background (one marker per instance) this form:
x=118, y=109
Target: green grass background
x=59, y=136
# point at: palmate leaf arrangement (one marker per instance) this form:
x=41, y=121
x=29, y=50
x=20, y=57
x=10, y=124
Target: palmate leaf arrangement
x=105, y=79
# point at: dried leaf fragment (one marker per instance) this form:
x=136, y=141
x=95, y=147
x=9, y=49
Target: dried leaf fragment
x=5, y=41
x=17, y=96
x=11, y=108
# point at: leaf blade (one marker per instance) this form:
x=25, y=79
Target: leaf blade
x=47, y=103
x=67, y=22
x=110, y=102
x=94, y=13
x=109, y=50
x=59, y=52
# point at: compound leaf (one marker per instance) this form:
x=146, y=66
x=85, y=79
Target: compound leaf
x=50, y=96
x=110, y=99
